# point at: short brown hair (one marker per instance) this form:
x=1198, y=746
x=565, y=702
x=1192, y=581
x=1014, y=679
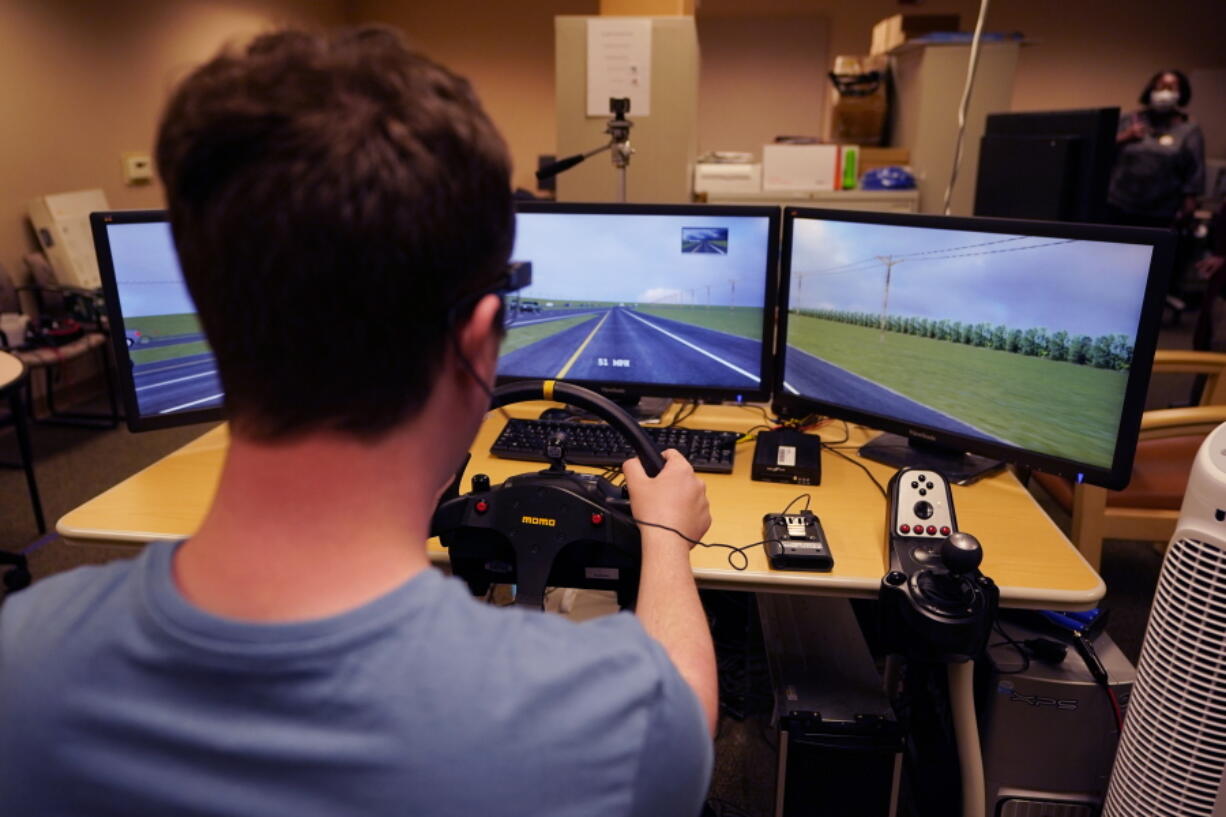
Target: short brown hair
x=333, y=198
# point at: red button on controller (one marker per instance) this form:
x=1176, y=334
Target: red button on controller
x=945, y=530
x=932, y=529
x=482, y=506
x=597, y=519
x=904, y=528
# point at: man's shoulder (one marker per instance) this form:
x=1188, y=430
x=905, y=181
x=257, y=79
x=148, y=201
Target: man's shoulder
x=57, y=603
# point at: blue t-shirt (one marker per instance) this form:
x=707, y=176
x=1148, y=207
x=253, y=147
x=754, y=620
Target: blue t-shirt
x=118, y=696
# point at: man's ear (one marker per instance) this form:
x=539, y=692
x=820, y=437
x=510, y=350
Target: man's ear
x=480, y=335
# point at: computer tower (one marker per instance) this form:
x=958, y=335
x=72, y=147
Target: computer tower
x=1048, y=732
x=840, y=746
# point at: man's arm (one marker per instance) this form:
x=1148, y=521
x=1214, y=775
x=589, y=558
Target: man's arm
x=668, y=604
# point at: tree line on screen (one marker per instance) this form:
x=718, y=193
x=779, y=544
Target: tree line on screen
x=1102, y=352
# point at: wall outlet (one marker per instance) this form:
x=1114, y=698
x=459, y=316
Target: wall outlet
x=137, y=168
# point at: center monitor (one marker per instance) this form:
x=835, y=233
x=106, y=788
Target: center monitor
x=638, y=300
x=1019, y=340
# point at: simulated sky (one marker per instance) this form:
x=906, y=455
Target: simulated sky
x=147, y=270
x=1083, y=287
x=632, y=258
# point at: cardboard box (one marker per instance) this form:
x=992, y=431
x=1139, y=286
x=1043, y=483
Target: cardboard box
x=894, y=31
x=724, y=178
x=801, y=167
x=647, y=8
x=858, y=104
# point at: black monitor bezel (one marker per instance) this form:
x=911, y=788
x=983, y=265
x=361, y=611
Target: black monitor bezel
x=1115, y=477
x=770, y=299
x=136, y=421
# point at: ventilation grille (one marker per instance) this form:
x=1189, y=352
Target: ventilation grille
x=1173, y=750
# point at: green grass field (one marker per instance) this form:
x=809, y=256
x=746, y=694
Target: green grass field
x=521, y=336
x=139, y=355
x=1061, y=408
x=160, y=326
x=744, y=321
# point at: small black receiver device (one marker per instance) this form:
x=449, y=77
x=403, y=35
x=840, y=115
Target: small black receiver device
x=796, y=541
x=787, y=455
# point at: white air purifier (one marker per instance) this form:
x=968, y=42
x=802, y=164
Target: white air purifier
x=1172, y=754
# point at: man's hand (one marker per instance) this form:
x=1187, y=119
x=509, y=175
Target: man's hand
x=674, y=497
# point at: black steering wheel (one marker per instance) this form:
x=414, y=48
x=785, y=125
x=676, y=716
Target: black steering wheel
x=549, y=528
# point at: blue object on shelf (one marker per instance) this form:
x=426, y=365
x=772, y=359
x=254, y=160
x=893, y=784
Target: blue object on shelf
x=887, y=178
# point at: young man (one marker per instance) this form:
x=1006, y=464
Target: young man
x=342, y=210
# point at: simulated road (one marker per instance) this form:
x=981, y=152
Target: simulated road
x=811, y=376
x=177, y=384
x=150, y=342
x=622, y=345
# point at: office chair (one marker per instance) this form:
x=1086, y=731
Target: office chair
x=58, y=304
x=1148, y=508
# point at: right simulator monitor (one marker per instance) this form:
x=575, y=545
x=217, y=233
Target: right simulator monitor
x=1017, y=340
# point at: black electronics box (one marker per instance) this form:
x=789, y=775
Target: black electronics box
x=788, y=456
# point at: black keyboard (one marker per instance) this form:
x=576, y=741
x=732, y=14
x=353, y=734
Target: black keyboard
x=599, y=444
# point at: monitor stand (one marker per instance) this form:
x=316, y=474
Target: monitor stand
x=901, y=452
x=642, y=409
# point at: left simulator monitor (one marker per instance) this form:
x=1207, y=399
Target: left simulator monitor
x=166, y=371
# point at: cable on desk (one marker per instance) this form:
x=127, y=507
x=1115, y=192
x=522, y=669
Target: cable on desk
x=682, y=415
x=771, y=422
x=861, y=466
x=808, y=498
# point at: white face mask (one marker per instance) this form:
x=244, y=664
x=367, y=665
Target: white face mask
x=1163, y=100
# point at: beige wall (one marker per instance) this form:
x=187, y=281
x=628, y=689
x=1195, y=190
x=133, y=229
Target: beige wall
x=506, y=49
x=84, y=81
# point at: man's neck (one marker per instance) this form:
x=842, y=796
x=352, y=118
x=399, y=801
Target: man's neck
x=310, y=528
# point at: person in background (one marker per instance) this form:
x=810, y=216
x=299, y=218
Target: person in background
x=1160, y=159
x=1159, y=166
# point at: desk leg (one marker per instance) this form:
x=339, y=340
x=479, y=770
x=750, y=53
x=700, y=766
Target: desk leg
x=27, y=455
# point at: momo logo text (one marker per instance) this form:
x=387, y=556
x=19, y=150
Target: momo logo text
x=539, y=520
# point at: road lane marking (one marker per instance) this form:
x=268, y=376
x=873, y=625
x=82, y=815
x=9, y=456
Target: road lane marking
x=177, y=380
x=562, y=372
x=192, y=403
x=517, y=324
x=696, y=348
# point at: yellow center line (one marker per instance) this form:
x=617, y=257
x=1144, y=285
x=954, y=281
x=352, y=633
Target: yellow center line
x=562, y=372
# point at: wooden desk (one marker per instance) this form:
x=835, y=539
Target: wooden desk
x=1032, y=561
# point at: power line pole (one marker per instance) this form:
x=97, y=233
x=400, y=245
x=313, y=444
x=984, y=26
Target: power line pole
x=889, y=262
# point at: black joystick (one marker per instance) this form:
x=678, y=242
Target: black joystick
x=961, y=553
